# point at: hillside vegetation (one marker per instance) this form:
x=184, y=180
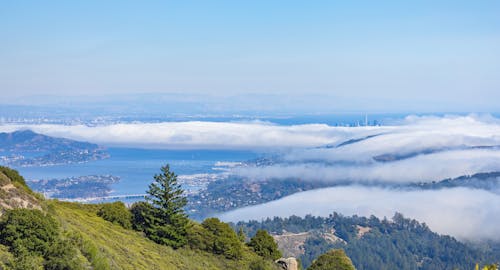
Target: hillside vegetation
x=51, y=234
x=372, y=243
x=48, y=234
x=121, y=248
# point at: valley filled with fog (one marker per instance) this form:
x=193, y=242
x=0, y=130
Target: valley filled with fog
x=364, y=169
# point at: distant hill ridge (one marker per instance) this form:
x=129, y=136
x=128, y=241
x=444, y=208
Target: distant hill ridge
x=28, y=148
x=28, y=140
x=372, y=243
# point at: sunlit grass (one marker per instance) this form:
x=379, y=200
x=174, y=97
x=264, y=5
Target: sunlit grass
x=111, y=245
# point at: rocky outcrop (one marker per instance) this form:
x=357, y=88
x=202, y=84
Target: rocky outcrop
x=14, y=195
x=288, y=263
x=292, y=244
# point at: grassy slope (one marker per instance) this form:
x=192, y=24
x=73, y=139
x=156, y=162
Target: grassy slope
x=126, y=249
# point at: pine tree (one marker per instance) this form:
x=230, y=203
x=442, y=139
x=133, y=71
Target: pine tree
x=168, y=222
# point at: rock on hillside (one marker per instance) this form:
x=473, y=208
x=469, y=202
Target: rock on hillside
x=292, y=244
x=14, y=193
x=288, y=263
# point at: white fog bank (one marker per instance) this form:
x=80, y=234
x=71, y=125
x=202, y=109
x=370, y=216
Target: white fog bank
x=466, y=214
x=415, y=149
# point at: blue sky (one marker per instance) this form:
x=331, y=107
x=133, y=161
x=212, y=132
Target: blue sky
x=361, y=55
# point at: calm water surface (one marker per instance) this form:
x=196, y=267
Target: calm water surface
x=136, y=167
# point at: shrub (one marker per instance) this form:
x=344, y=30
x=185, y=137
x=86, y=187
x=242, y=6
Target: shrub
x=32, y=262
x=34, y=239
x=200, y=238
x=61, y=255
x=335, y=259
x=6, y=258
x=225, y=241
x=28, y=231
x=264, y=245
x=116, y=213
x=141, y=214
x=216, y=237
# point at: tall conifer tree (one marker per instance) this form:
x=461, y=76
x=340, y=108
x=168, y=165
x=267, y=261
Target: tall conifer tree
x=168, y=222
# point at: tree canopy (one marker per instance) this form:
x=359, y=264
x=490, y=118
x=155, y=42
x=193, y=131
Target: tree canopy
x=264, y=245
x=117, y=213
x=162, y=217
x=335, y=259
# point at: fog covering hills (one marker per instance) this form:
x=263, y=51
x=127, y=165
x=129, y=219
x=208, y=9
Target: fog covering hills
x=377, y=169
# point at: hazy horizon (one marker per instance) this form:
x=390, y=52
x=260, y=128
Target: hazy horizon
x=316, y=57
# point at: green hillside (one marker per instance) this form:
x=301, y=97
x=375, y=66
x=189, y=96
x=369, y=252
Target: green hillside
x=127, y=249
x=63, y=235
x=48, y=234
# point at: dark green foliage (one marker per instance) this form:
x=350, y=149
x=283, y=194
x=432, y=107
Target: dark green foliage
x=264, y=245
x=166, y=233
x=167, y=195
x=28, y=231
x=13, y=175
x=200, y=238
x=142, y=213
x=398, y=244
x=333, y=260
x=315, y=246
x=164, y=220
x=116, y=213
x=61, y=255
x=35, y=240
x=216, y=237
x=224, y=241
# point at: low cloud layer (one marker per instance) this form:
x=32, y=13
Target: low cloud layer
x=413, y=149
x=196, y=134
x=423, y=168
x=418, y=149
x=463, y=213
x=409, y=135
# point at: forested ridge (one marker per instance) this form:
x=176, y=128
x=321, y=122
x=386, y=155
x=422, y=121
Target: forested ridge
x=36, y=233
x=373, y=243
